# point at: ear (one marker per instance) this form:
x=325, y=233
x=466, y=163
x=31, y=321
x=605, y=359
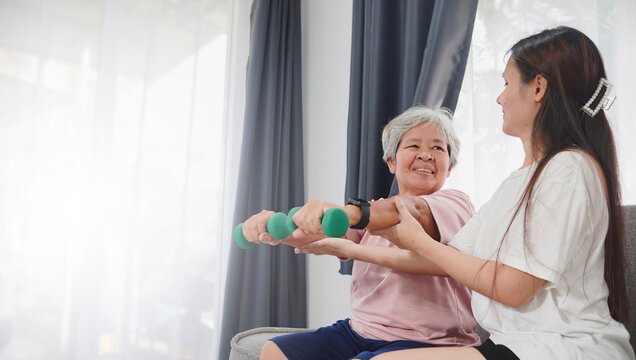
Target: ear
x=540, y=86
x=449, y=171
x=392, y=165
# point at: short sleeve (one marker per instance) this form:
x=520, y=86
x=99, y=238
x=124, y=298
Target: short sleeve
x=567, y=221
x=451, y=209
x=466, y=237
x=355, y=235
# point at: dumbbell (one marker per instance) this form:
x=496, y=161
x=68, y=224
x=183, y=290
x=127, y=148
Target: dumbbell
x=335, y=223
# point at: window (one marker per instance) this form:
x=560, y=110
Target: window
x=112, y=149
x=487, y=155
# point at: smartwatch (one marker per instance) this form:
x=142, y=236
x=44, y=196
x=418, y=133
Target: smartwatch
x=365, y=208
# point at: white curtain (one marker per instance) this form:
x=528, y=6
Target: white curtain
x=487, y=155
x=118, y=139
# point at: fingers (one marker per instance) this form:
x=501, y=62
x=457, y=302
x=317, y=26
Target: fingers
x=400, y=206
x=403, y=210
x=308, y=218
x=256, y=226
x=303, y=249
x=326, y=246
x=314, y=248
x=268, y=239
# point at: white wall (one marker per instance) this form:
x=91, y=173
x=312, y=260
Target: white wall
x=326, y=48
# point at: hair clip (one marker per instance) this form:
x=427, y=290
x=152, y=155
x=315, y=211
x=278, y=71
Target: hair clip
x=605, y=102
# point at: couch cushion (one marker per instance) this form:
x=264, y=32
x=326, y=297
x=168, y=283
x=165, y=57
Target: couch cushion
x=247, y=344
x=630, y=239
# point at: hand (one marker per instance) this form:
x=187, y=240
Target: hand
x=309, y=217
x=255, y=228
x=408, y=233
x=327, y=246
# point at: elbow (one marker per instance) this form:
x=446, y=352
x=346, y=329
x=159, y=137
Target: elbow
x=518, y=296
x=419, y=208
x=517, y=288
x=516, y=301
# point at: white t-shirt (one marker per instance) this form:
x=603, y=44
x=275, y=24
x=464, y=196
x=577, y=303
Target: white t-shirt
x=568, y=318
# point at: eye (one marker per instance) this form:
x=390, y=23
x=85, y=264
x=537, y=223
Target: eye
x=438, y=148
x=413, y=146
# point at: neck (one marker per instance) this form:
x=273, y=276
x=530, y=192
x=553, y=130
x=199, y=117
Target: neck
x=529, y=153
x=413, y=192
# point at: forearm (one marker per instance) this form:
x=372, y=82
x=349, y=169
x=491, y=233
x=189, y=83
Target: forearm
x=393, y=258
x=502, y=283
x=384, y=214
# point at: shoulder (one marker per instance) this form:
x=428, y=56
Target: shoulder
x=572, y=157
x=450, y=203
x=572, y=175
x=572, y=166
x=452, y=195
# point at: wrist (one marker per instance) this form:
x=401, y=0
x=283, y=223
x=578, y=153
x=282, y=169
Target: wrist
x=354, y=213
x=348, y=251
x=427, y=247
x=365, y=213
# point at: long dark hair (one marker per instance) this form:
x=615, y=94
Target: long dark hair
x=573, y=66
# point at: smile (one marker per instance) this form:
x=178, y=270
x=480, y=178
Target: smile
x=428, y=171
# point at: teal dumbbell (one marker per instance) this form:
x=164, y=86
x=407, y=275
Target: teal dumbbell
x=240, y=240
x=278, y=225
x=335, y=223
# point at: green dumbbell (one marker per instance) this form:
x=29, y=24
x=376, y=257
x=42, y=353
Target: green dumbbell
x=277, y=227
x=290, y=218
x=240, y=240
x=335, y=223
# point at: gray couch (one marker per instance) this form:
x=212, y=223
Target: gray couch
x=247, y=345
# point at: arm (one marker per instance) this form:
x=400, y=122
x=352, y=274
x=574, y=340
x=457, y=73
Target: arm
x=383, y=214
x=502, y=283
x=390, y=257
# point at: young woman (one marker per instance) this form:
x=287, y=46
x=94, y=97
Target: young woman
x=544, y=257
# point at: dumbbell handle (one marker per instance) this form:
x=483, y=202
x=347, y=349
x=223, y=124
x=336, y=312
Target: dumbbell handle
x=335, y=223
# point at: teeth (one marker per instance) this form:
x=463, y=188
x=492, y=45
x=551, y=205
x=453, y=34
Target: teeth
x=424, y=170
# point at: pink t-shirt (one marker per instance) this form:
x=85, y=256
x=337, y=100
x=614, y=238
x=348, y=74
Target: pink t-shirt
x=392, y=305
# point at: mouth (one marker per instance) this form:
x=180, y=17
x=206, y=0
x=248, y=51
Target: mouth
x=425, y=171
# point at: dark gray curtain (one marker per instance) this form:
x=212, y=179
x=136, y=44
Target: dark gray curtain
x=404, y=53
x=265, y=284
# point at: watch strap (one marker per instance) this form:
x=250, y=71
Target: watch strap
x=365, y=208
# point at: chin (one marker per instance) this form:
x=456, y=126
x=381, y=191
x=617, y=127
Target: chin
x=507, y=132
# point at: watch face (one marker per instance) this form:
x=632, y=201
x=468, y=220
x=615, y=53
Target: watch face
x=357, y=202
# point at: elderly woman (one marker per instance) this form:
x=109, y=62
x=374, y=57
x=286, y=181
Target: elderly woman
x=393, y=305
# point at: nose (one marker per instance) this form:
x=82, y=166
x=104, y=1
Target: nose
x=424, y=156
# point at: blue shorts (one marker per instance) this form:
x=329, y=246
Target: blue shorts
x=337, y=341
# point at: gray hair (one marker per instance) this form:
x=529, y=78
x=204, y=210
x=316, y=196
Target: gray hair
x=395, y=129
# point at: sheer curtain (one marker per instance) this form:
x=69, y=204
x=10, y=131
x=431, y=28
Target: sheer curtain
x=114, y=183
x=488, y=155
